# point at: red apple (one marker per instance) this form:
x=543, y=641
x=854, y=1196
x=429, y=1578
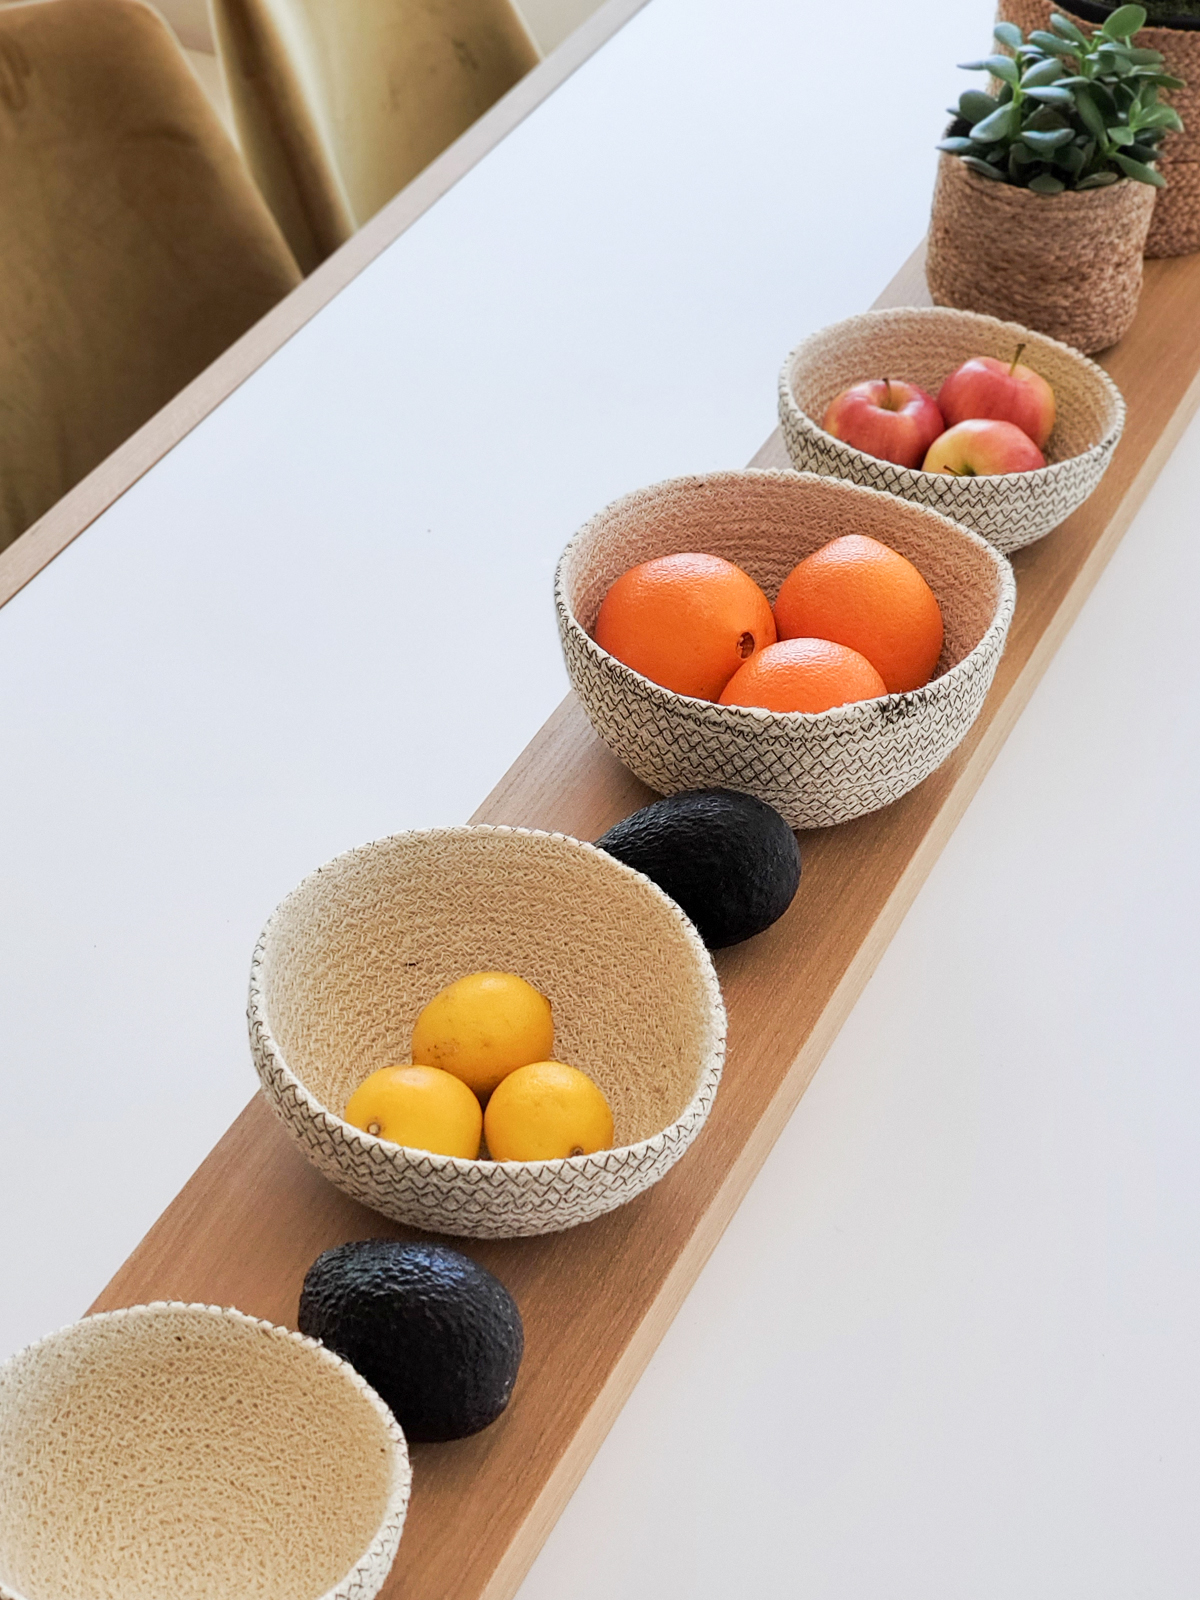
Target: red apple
x=888, y=419
x=1007, y=391
x=982, y=447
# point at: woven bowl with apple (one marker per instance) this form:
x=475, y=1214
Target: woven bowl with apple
x=999, y=428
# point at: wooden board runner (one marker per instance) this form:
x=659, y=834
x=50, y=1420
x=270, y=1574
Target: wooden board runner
x=596, y=1301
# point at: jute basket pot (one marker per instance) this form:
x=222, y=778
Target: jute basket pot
x=815, y=769
x=350, y=958
x=1069, y=265
x=1175, y=224
x=924, y=345
x=196, y=1453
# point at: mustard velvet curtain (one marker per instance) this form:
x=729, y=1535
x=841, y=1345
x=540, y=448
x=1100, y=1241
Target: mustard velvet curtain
x=340, y=103
x=134, y=247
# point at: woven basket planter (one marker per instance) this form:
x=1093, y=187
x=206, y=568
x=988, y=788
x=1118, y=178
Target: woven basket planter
x=1069, y=265
x=924, y=345
x=191, y=1452
x=349, y=959
x=1175, y=225
x=815, y=769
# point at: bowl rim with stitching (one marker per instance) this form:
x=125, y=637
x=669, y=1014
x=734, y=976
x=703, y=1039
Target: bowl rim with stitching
x=855, y=710
x=915, y=477
x=586, y=1166
x=390, y=1526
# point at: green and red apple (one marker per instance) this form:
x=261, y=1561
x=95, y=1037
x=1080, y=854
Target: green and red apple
x=886, y=418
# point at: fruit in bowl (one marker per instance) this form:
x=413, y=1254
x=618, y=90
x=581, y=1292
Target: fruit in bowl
x=687, y=621
x=886, y=418
x=985, y=387
x=857, y=592
x=469, y=1042
x=899, y=422
x=983, y=447
x=803, y=675
x=855, y=620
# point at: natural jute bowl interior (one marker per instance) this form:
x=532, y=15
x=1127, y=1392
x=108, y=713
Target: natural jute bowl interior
x=195, y=1453
x=815, y=769
x=351, y=957
x=923, y=345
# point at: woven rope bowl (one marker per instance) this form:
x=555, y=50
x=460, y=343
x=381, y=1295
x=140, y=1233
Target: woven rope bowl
x=924, y=345
x=814, y=769
x=193, y=1452
x=351, y=956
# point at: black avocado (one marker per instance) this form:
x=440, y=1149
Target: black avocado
x=730, y=861
x=436, y=1336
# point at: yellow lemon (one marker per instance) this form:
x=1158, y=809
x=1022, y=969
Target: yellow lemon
x=419, y=1107
x=547, y=1110
x=483, y=1026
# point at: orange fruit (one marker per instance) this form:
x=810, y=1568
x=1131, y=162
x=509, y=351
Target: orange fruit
x=857, y=592
x=545, y=1111
x=803, y=675
x=687, y=622
x=421, y=1107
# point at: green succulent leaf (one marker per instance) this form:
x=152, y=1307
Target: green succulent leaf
x=1044, y=143
x=1051, y=43
x=1137, y=169
x=1001, y=124
x=1089, y=114
x=1043, y=73
x=1052, y=94
x=1004, y=68
x=1161, y=117
x=974, y=105
x=1071, y=110
x=1125, y=22
x=983, y=168
x=1066, y=29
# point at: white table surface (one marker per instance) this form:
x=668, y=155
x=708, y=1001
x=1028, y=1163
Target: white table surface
x=947, y=1348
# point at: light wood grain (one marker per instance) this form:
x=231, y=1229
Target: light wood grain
x=597, y=1301
x=102, y=488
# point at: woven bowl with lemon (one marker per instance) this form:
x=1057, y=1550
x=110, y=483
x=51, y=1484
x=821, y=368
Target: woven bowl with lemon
x=354, y=958
x=194, y=1452
x=923, y=345
x=816, y=768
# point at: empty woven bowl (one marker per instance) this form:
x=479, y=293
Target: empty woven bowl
x=196, y=1453
x=924, y=345
x=352, y=956
x=816, y=769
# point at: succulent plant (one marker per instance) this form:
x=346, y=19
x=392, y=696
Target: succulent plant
x=1074, y=111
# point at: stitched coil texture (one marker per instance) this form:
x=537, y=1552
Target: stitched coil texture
x=351, y=956
x=815, y=770
x=1175, y=223
x=194, y=1452
x=924, y=345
